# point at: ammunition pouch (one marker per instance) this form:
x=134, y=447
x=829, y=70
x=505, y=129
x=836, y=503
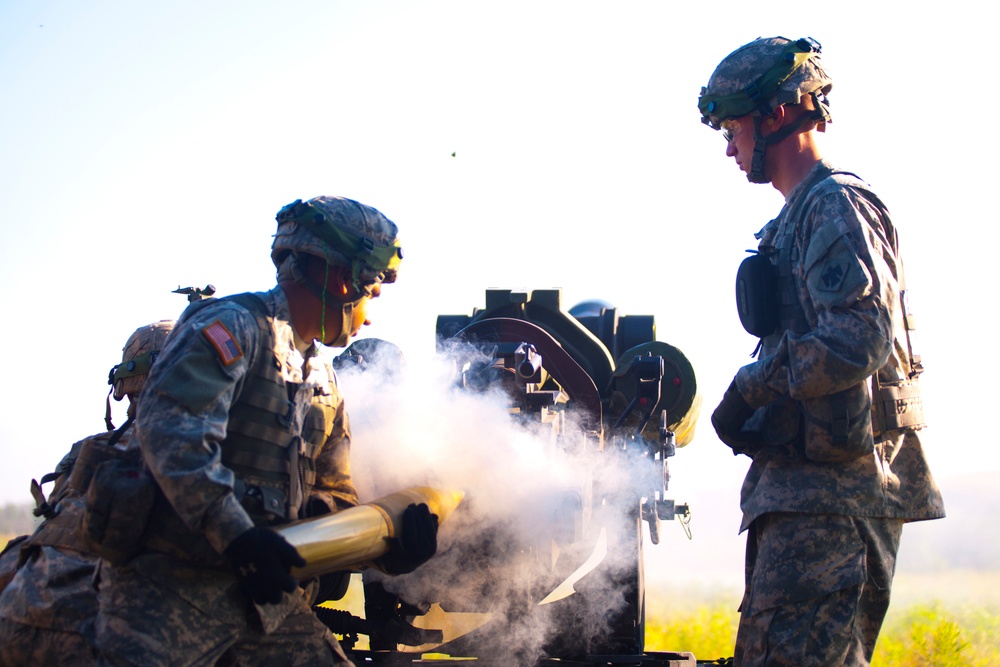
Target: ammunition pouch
x=838, y=427
x=756, y=295
x=778, y=426
x=119, y=500
x=91, y=455
x=264, y=503
x=897, y=407
x=827, y=429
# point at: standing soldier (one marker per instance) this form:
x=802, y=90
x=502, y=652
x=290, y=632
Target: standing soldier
x=243, y=427
x=47, y=610
x=833, y=477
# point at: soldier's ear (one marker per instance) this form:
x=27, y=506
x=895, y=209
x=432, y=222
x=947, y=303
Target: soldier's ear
x=776, y=118
x=341, y=283
x=337, y=278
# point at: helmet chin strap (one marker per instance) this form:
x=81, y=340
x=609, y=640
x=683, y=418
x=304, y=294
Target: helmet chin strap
x=756, y=174
x=760, y=142
x=344, y=336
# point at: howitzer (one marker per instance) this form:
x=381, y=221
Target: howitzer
x=611, y=397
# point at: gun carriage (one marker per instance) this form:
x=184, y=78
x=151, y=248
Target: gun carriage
x=604, y=391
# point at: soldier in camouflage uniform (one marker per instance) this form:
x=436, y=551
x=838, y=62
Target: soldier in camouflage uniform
x=48, y=608
x=830, y=410
x=243, y=427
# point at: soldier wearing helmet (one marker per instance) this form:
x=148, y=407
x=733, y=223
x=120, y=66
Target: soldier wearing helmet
x=760, y=84
x=830, y=412
x=50, y=602
x=243, y=427
x=129, y=377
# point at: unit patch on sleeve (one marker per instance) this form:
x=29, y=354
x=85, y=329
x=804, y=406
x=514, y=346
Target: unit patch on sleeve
x=223, y=342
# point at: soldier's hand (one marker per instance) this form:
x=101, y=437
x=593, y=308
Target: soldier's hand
x=416, y=543
x=263, y=561
x=729, y=418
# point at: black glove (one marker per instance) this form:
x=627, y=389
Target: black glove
x=729, y=418
x=263, y=560
x=416, y=543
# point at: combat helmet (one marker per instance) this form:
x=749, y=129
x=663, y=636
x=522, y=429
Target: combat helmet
x=342, y=231
x=345, y=233
x=129, y=377
x=761, y=76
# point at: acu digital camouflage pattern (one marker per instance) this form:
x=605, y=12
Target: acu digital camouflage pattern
x=158, y=610
x=817, y=589
x=748, y=63
x=48, y=609
x=186, y=607
x=824, y=534
x=353, y=216
x=845, y=270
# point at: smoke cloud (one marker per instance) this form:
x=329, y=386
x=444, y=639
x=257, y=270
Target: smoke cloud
x=537, y=498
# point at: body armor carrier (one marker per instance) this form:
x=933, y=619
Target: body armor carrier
x=273, y=460
x=849, y=421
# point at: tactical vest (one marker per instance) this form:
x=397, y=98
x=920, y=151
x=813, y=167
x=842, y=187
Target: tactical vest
x=837, y=426
x=273, y=461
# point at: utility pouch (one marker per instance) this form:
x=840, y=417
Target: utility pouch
x=757, y=295
x=838, y=427
x=779, y=428
x=898, y=406
x=119, y=501
x=91, y=455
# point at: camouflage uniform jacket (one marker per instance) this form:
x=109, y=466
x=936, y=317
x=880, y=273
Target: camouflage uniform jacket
x=845, y=272
x=188, y=401
x=54, y=586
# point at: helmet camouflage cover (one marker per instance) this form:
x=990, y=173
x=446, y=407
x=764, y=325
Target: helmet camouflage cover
x=342, y=231
x=138, y=355
x=760, y=76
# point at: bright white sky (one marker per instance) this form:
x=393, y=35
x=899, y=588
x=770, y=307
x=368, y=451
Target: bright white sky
x=146, y=146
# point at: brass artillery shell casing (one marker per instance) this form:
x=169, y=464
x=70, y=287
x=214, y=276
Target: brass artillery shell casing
x=354, y=536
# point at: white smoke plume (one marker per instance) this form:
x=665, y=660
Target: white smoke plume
x=530, y=514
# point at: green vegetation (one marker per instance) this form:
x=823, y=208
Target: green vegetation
x=921, y=635
x=926, y=635
x=708, y=631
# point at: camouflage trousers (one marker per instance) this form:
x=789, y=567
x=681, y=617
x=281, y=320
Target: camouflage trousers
x=24, y=645
x=159, y=611
x=817, y=589
x=47, y=610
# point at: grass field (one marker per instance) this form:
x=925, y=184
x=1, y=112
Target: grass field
x=930, y=635
x=941, y=620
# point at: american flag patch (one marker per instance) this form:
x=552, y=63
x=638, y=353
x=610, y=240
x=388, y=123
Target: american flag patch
x=223, y=342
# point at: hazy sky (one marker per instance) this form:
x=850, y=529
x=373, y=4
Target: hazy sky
x=516, y=144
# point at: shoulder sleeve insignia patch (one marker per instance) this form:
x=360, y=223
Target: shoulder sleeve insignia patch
x=833, y=275
x=223, y=342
